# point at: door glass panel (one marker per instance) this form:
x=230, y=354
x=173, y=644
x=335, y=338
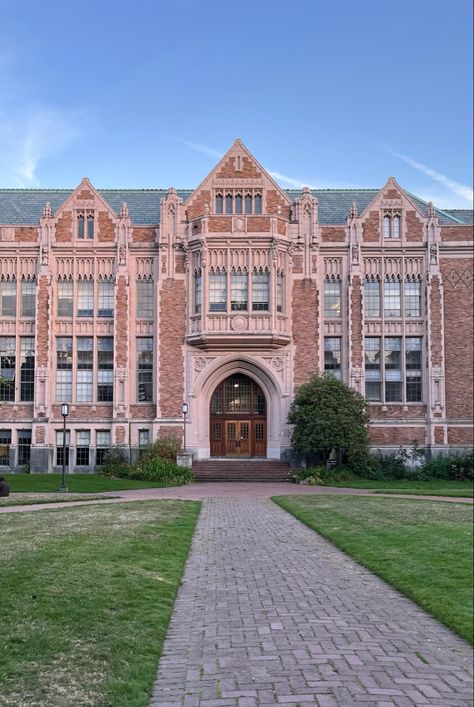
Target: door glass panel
x=259, y=428
x=231, y=430
x=244, y=430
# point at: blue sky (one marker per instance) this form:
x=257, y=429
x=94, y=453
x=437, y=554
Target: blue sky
x=325, y=94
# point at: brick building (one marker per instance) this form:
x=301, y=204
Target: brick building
x=125, y=303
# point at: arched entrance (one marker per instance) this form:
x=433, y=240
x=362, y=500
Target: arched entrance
x=238, y=419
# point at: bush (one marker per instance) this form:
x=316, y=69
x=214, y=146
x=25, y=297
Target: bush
x=311, y=476
x=456, y=467
x=116, y=464
x=330, y=418
x=153, y=468
x=166, y=446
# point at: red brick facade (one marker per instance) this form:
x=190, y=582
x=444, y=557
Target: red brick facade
x=171, y=306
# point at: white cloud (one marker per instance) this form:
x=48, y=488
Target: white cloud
x=297, y=183
x=30, y=135
x=205, y=149
x=453, y=187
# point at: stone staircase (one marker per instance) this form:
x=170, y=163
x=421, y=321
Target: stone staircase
x=241, y=470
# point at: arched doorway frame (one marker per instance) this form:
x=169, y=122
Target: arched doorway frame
x=214, y=374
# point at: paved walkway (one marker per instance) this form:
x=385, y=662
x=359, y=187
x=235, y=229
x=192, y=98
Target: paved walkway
x=235, y=489
x=269, y=613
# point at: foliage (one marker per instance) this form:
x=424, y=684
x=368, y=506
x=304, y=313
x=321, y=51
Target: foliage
x=77, y=483
x=310, y=477
x=328, y=415
x=395, y=539
x=156, y=463
x=455, y=467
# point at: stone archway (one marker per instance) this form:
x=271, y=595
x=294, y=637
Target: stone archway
x=238, y=418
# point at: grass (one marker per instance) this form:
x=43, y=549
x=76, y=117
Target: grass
x=76, y=483
x=87, y=594
x=435, y=487
x=424, y=549
x=29, y=499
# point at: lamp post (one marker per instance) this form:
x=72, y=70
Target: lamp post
x=185, y=412
x=64, y=413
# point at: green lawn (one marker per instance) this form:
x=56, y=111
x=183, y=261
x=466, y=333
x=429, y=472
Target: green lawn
x=86, y=598
x=424, y=488
x=30, y=499
x=76, y=483
x=423, y=548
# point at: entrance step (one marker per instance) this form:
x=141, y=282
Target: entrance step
x=241, y=470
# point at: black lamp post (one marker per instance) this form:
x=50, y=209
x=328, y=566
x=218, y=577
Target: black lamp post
x=64, y=413
x=185, y=412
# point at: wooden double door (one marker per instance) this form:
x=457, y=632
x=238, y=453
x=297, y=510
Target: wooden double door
x=238, y=438
x=238, y=420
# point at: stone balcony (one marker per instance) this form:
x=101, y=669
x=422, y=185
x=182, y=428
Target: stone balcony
x=246, y=331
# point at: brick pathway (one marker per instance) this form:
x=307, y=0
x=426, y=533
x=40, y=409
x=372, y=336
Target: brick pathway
x=269, y=613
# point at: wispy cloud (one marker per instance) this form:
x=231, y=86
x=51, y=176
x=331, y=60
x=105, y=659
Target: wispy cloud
x=205, y=149
x=456, y=188
x=297, y=183
x=29, y=136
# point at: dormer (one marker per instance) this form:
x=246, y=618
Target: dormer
x=393, y=218
x=85, y=217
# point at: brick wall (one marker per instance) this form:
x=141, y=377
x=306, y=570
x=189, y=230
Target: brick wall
x=64, y=227
x=143, y=234
x=258, y=223
x=396, y=412
x=333, y=234
x=305, y=328
x=143, y=412
x=248, y=169
x=26, y=234
x=218, y=224
x=414, y=227
x=395, y=436
x=40, y=435
x=371, y=228
x=13, y=412
x=172, y=329
x=197, y=206
x=438, y=435
x=120, y=435
x=42, y=322
x=276, y=204
x=89, y=413
x=106, y=228
x=458, y=337
x=460, y=435
x=121, y=323
x=457, y=233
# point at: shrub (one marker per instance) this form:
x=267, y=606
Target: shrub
x=166, y=446
x=311, y=476
x=115, y=463
x=153, y=468
x=155, y=464
x=455, y=467
x=329, y=417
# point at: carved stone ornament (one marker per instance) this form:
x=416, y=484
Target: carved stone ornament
x=239, y=223
x=200, y=363
x=238, y=323
x=278, y=363
x=434, y=255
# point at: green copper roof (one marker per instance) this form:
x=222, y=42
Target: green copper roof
x=25, y=206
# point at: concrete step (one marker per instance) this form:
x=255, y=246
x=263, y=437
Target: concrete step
x=241, y=470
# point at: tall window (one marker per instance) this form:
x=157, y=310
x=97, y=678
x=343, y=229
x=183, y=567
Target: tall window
x=391, y=224
x=219, y=203
x=401, y=362
x=332, y=298
x=5, y=442
x=197, y=292
x=85, y=365
x=413, y=369
x=62, y=451
x=106, y=298
x=27, y=368
x=24, y=447
x=412, y=298
x=238, y=203
x=145, y=299
x=105, y=365
x=217, y=291
x=393, y=369
x=371, y=298
x=258, y=203
x=7, y=368
x=83, y=441
x=260, y=291
x=391, y=298
x=7, y=298
x=102, y=446
x=85, y=225
x=229, y=203
x=64, y=369
x=238, y=290
x=28, y=298
x=235, y=201
x=279, y=291
x=85, y=298
x=65, y=298
x=145, y=369
x=332, y=356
